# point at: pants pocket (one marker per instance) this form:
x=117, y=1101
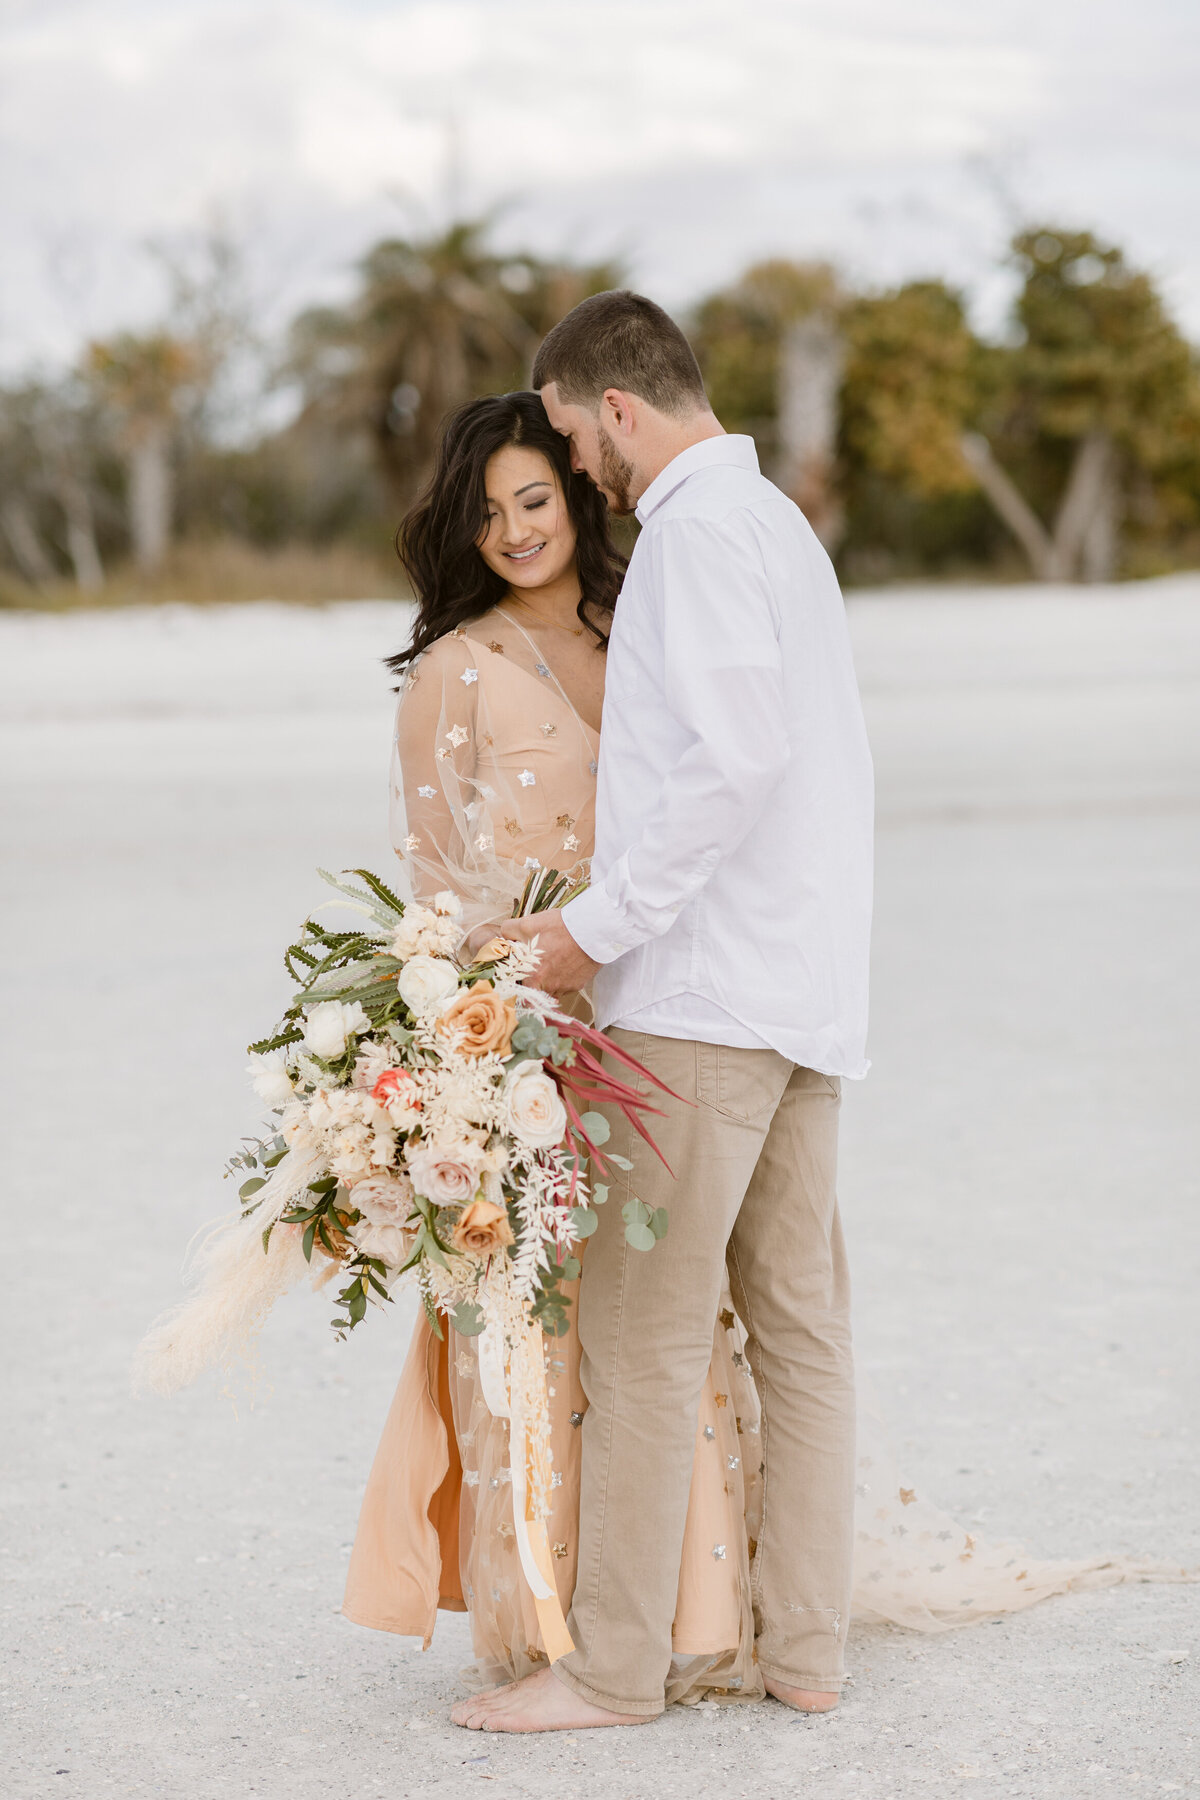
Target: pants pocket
x=744, y=1085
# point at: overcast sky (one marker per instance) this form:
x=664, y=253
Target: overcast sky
x=689, y=136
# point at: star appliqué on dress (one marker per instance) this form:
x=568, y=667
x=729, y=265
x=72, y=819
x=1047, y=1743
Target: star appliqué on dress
x=468, y=676
x=427, y=793
x=527, y=778
x=457, y=736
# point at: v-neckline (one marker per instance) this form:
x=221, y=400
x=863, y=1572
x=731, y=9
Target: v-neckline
x=592, y=730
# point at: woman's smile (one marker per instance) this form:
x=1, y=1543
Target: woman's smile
x=525, y=555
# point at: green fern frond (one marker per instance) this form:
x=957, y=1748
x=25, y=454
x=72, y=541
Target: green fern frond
x=380, y=888
x=279, y=1042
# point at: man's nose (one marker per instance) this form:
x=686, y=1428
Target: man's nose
x=576, y=462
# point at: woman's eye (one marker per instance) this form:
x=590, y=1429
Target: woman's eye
x=535, y=505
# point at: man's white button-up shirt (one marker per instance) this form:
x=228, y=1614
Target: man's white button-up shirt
x=731, y=881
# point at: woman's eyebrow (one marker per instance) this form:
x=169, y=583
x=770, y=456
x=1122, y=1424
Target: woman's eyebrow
x=519, y=491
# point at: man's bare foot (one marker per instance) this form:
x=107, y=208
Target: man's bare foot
x=805, y=1700
x=539, y=1703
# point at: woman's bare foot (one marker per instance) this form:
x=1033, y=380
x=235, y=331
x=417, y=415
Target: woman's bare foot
x=539, y=1703
x=805, y=1700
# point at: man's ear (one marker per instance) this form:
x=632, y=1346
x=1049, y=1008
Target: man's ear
x=619, y=412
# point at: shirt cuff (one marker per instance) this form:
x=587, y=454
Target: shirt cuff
x=596, y=925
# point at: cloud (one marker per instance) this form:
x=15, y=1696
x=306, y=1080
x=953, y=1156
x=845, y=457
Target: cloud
x=692, y=131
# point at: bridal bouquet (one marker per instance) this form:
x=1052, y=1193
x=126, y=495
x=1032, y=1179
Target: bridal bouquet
x=433, y=1118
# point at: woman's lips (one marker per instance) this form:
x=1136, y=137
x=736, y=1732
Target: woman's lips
x=524, y=555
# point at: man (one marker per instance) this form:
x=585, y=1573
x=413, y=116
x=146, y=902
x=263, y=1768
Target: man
x=726, y=929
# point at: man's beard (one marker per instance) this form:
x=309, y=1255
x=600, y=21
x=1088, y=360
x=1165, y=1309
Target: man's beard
x=616, y=476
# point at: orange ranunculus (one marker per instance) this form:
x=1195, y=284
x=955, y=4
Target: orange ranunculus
x=397, y=1084
x=482, y=1229
x=486, y=1023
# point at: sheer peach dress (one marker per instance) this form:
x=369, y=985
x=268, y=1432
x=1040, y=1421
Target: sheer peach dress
x=495, y=775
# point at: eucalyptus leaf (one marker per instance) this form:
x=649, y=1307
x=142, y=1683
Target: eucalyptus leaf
x=597, y=1127
x=599, y=1193
x=583, y=1221
x=635, y=1212
x=571, y=1269
x=251, y=1187
x=467, y=1319
x=640, y=1237
x=658, y=1221
x=621, y=1162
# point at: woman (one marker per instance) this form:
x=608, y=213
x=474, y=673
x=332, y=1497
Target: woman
x=516, y=578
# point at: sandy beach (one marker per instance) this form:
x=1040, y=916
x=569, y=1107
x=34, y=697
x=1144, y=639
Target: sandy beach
x=1019, y=1187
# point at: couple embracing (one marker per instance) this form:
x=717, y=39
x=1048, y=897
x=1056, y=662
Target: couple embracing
x=702, y=1400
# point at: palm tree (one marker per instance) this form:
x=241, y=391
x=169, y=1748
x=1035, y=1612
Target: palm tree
x=437, y=321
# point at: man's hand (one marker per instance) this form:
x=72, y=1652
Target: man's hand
x=564, y=967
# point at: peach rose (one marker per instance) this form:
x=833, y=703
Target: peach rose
x=482, y=1229
x=496, y=949
x=485, y=1022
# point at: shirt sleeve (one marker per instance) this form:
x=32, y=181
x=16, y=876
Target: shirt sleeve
x=723, y=685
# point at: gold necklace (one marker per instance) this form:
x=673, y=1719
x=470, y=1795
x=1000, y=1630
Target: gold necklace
x=575, y=630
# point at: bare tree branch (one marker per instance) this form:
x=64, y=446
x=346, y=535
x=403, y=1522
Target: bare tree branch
x=1011, y=505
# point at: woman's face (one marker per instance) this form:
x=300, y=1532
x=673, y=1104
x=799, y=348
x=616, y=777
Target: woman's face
x=529, y=538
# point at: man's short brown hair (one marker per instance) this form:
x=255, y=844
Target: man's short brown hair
x=620, y=340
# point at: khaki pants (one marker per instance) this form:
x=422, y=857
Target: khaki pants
x=754, y=1161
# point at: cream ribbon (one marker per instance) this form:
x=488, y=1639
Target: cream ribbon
x=504, y=1380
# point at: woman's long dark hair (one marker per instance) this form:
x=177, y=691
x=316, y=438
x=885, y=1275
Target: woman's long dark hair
x=438, y=537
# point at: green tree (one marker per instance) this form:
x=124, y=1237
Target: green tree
x=915, y=378
x=436, y=321
x=1096, y=416
x=911, y=384
x=739, y=335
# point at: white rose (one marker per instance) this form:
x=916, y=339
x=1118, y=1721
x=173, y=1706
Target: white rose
x=427, y=982
x=387, y=1242
x=383, y=1199
x=447, y=1177
x=269, y=1073
x=328, y=1025
x=534, y=1111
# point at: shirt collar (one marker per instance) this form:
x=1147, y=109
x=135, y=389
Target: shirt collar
x=708, y=453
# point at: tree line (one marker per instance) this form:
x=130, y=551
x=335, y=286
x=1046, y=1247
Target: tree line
x=1067, y=448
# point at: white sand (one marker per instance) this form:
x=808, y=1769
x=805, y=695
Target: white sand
x=1019, y=1185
